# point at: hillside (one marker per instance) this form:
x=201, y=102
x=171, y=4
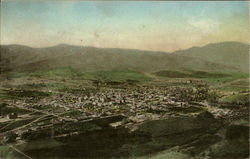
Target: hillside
x=227, y=56
x=232, y=54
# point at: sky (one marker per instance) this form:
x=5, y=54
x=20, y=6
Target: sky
x=145, y=25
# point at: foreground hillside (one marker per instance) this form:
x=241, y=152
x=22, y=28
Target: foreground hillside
x=227, y=56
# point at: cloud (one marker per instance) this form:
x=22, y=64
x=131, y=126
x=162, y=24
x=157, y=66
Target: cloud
x=204, y=25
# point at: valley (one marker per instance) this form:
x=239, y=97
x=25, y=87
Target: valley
x=65, y=113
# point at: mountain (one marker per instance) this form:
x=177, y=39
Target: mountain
x=234, y=54
x=227, y=56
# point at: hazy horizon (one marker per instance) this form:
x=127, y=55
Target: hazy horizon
x=122, y=48
x=153, y=26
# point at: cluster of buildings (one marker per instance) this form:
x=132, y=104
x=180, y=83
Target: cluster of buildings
x=135, y=103
x=127, y=101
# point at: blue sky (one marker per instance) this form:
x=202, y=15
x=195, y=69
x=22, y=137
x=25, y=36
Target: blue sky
x=155, y=25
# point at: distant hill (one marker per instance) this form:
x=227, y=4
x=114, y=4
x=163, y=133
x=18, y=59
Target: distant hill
x=227, y=56
x=234, y=54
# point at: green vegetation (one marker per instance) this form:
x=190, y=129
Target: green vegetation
x=191, y=74
x=56, y=72
x=117, y=76
x=239, y=98
x=172, y=74
x=188, y=109
x=45, y=85
x=232, y=88
x=4, y=95
x=235, y=145
x=211, y=77
x=78, y=90
x=168, y=154
x=39, y=144
x=4, y=110
x=213, y=97
x=229, y=96
x=68, y=72
x=124, y=76
x=26, y=93
x=17, y=123
x=229, y=78
x=72, y=113
x=17, y=94
x=203, y=74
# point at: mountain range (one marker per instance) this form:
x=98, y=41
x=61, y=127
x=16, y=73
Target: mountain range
x=224, y=56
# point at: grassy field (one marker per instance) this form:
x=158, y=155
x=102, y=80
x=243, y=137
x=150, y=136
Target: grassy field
x=117, y=76
x=125, y=75
x=211, y=77
x=57, y=72
x=190, y=74
x=67, y=72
